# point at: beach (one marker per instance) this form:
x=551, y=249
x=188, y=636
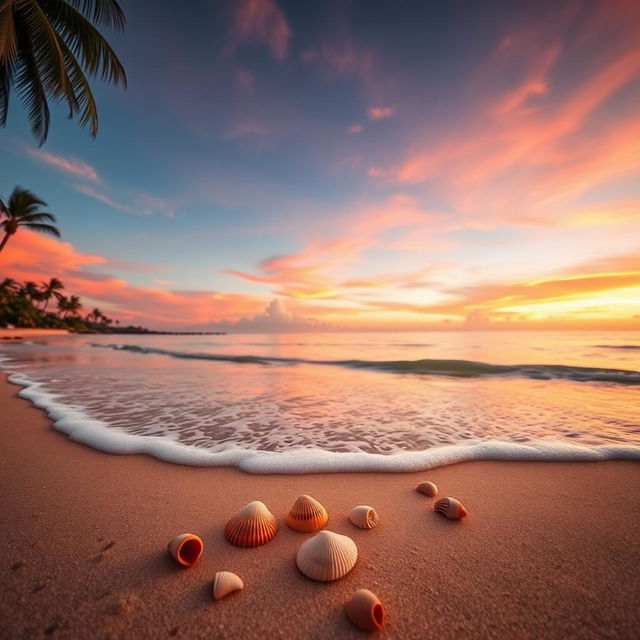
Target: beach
x=548, y=549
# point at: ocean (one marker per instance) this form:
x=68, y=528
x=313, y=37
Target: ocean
x=323, y=402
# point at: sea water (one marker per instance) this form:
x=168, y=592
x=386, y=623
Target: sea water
x=315, y=402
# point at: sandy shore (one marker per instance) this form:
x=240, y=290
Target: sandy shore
x=549, y=550
x=8, y=335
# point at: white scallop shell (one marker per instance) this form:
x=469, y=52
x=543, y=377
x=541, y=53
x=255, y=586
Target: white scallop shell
x=252, y=526
x=365, y=610
x=327, y=556
x=364, y=516
x=450, y=507
x=307, y=514
x=224, y=583
x=428, y=488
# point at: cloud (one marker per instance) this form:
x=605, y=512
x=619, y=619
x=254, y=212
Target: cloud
x=355, y=128
x=32, y=256
x=379, y=113
x=262, y=21
x=69, y=165
x=141, y=204
x=275, y=318
x=245, y=81
x=248, y=129
x=341, y=59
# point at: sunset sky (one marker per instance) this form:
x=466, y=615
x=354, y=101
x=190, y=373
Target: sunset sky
x=360, y=165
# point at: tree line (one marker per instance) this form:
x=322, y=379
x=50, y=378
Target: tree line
x=44, y=306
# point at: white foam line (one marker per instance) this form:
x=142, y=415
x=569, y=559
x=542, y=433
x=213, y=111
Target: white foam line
x=98, y=435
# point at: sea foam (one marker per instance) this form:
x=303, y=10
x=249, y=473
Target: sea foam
x=97, y=434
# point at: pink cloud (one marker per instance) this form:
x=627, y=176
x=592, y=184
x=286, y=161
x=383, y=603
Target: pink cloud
x=262, y=21
x=247, y=129
x=379, y=113
x=141, y=204
x=355, y=128
x=32, y=256
x=69, y=165
x=245, y=81
x=341, y=59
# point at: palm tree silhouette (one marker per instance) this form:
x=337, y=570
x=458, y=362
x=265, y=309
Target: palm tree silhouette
x=22, y=211
x=49, y=289
x=46, y=46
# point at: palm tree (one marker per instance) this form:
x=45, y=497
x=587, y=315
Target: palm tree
x=49, y=289
x=46, y=46
x=22, y=211
x=74, y=305
x=30, y=290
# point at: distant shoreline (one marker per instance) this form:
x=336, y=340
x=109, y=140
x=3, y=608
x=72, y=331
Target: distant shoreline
x=21, y=333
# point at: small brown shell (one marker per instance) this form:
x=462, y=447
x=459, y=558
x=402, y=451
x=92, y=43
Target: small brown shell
x=224, y=583
x=364, y=516
x=428, y=488
x=252, y=526
x=327, y=556
x=365, y=610
x=307, y=514
x=451, y=508
x=186, y=549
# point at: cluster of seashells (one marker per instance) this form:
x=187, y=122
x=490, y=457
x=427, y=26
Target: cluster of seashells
x=325, y=557
x=449, y=507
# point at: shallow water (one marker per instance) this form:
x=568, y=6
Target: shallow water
x=312, y=402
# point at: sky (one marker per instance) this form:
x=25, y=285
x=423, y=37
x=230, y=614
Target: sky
x=349, y=165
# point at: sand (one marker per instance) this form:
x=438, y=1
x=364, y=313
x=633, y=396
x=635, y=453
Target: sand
x=549, y=550
x=9, y=335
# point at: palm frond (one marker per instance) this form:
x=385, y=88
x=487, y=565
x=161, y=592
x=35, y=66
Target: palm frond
x=87, y=44
x=41, y=216
x=8, y=37
x=43, y=228
x=108, y=13
x=31, y=90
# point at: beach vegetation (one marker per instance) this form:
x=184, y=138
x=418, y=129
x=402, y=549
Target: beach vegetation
x=47, y=49
x=22, y=210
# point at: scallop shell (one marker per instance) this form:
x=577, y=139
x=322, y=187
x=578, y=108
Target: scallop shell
x=307, y=514
x=365, y=610
x=428, y=488
x=186, y=549
x=451, y=508
x=252, y=526
x=224, y=583
x=327, y=556
x=364, y=516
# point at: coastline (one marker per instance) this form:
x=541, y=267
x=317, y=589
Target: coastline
x=21, y=334
x=550, y=549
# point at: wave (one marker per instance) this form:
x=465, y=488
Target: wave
x=452, y=368
x=631, y=347
x=72, y=421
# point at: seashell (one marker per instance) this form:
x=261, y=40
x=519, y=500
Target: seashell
x=327, y=556
x=307, y=514
x=451, y=508
x=186, y=549
x=428, y=488
x=365, y=610
x=252, y=526
x=224, y=583
x=364, y=516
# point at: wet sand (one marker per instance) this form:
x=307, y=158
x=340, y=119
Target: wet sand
x=549, y=550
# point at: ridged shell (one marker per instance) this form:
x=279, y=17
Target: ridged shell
x=186, y=549
x=364, y=516
x=327, y=556
x=451, y=508
x=307, y=514
x=428, y=488
x=365, y=610
x=252, y=526
x=224, y=583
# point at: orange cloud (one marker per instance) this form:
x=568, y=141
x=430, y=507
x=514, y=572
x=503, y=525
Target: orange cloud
x=380, y=113
x=32, y=256
x=263, y=21
x=69, y=165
